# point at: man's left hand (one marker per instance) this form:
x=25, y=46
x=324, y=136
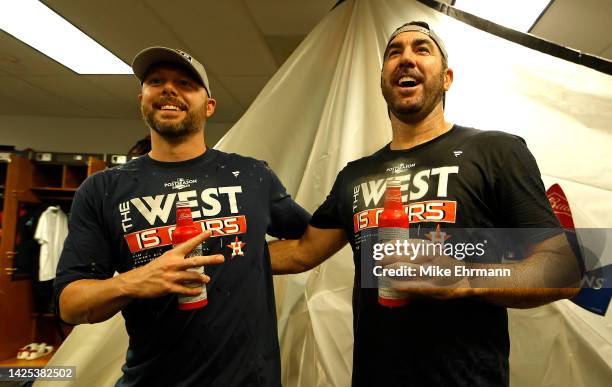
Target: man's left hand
x=433, y=272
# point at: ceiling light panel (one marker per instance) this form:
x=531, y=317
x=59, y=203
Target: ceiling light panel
x=35, y=24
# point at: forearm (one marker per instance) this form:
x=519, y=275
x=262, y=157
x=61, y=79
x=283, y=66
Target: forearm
x=546, y=276
x=315, y=246
x=522, y=298
x=285, y=257
x=92, y=301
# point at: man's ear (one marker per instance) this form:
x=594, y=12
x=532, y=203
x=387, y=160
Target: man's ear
x=448, y=79
x=210, y=107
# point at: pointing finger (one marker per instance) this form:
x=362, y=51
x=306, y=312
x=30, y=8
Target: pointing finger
x=187, y=247
x=203, y=260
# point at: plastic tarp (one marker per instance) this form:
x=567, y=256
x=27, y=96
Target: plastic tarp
x=324, y=108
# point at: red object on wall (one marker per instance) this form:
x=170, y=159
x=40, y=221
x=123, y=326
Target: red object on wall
x=560, y=206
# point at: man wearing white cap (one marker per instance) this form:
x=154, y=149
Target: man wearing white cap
x=453, y=329
x=122, y=220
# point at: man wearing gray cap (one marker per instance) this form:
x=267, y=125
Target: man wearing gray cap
x=442, y=330
x=122, y=221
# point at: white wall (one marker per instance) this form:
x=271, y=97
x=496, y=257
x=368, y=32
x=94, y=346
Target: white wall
x=87, y=135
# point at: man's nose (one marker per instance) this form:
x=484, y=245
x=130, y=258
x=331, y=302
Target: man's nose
x=408, y=58
x=169, y=88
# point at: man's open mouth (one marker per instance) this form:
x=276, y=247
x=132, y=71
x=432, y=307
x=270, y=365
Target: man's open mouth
x=407, y=81
x=166, y=106
x=169, y=107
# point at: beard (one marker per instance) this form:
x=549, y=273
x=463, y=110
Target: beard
x=432, y=94
x=173, y=131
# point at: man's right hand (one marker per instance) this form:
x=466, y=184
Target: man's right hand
x=168, y=273
x=93, y=300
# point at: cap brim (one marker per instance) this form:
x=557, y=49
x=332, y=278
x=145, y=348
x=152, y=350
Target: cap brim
x=153, y=55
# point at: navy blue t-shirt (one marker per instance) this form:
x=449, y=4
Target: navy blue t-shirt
x=123, y=217
x=465, y=178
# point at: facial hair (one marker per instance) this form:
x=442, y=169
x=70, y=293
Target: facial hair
x=433, y=92
x=173, y=132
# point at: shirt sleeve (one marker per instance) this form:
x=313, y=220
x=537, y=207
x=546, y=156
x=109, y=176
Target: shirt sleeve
x=41, y=229
x=520, y=193
x=327, y=216
x=41, y=235
x=87, y=251
x=287, y=218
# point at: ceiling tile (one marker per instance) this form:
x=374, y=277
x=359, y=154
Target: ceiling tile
x=221, y=34
x=282, y=46
x=288, y=17
x=88, y=95
x=249, y=87
x=123, y=87
x=228, y=109
x=583, y=25
x=37, y=100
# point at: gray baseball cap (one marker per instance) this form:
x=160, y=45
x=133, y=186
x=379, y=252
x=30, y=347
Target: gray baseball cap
x=422, y=27
x=153, y=55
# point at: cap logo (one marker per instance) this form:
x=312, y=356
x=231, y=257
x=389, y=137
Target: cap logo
x=412, y=26
x=184, y=54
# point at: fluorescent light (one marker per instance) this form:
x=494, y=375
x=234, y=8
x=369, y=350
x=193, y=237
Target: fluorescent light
x=38, y=26
x=516, y=14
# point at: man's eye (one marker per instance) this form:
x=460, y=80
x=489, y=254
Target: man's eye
x=423, y=49
x=393, y=53
x=185, y=83
x=154, y=81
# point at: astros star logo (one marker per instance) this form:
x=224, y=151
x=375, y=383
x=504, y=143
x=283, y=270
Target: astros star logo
x=438, y=236
x=236, y=247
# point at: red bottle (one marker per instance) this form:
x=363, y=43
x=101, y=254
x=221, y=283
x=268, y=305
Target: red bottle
x=393, y=225
x=185, y=230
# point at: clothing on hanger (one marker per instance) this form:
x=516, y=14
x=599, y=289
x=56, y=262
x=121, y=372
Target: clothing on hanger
x=51, y=232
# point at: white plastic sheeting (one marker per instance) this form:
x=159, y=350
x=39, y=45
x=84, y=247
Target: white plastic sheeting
x=324, y=108
x=97, y=351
